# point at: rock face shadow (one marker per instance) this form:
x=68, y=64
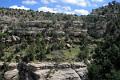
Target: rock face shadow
x=26, y=73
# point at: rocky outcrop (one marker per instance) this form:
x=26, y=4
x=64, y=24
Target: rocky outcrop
x=11, y=75
x=47, y=71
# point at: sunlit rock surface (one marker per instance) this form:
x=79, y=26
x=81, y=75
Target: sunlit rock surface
x=47, y=71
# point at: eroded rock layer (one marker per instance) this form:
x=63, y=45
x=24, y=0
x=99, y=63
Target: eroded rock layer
x=46, y=71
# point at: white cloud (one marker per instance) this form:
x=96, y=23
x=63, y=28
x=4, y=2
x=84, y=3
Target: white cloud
x=47, y=9
x=19, y=7
x=82, y=3
x=81, y=11
x=57, y=9
x=67, y=8
x=48, y=1
x=105, y=4
x=69, y=12
x=29, y=2
x=97, y=0
x=64, y=9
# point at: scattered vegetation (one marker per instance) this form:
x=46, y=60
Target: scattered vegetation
x=43, y=36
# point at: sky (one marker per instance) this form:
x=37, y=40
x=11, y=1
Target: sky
x=80, y=7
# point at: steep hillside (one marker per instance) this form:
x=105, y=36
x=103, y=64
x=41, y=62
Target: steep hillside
x=46, y=33
x=106, y=56
x=100, y=20
x=21, y=31
x=32, y=36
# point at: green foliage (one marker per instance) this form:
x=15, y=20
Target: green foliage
x=94, y=72
x=2, y=35
x=30, y=15
x=115, y=75
x=72, y=53
x=58, y=56
x=107, y=56
x=37, y=50
x=2, y=45
x=3, y=69
x=84, y=48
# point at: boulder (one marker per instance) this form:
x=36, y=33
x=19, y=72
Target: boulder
x=65, y=74
x=11, y=75
x=42, y=73
x=82, y=72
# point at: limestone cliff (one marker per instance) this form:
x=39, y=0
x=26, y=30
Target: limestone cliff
x=46, y=71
